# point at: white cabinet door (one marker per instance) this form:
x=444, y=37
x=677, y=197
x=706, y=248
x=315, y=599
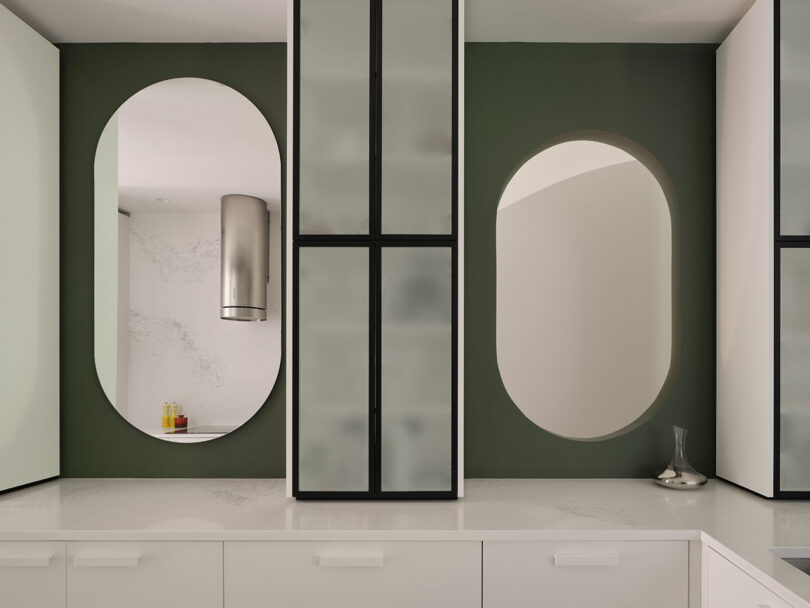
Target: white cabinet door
x=353, y=575
x=29, y=254
x=144, y=575
x=32, y=574
x=730, y=587
x=632, y=574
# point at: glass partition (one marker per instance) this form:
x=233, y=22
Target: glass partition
x=333, y=117
x=333, y=370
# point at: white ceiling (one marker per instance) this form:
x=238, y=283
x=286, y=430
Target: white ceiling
x=486, y=20
x=191, y=141
x=155, y=20
x=661, y=21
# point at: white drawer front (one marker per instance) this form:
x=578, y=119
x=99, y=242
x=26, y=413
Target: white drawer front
x=144, y=575
x=633, y=574
x=32, y=575
x=730, y=587
x=353, y=575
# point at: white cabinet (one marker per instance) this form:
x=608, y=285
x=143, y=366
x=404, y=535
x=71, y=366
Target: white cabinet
x=356, y=575
x=144, y=574
x=29, y=254
x=632, y=574
x=729, y=587
x=32, y=575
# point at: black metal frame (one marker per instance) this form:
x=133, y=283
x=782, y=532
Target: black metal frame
x=780, y=242
x=375, y=242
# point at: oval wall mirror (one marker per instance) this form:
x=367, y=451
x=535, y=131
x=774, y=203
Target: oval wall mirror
x=584, y=289
x=187, y=244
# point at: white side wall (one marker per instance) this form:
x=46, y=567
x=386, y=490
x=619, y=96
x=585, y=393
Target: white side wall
x=745, y=273
x=105, y=267
x=122, y=317
x=29, y=254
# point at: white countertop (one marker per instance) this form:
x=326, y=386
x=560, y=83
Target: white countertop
x=735, y=522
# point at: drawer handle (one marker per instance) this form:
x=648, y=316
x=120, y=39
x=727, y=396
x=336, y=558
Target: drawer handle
x=344, y=560
x=25, y=561
x=586, y=559
x=89, y=560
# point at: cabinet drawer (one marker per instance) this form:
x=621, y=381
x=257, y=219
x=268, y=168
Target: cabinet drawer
x=356, y=575
x=136, y=575
x=634, y=574
x=728, y=586
x=32, y=574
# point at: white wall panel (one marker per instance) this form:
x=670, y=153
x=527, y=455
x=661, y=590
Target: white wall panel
x=29, y=254
x=745, y=236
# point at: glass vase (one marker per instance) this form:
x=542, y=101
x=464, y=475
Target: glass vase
x=680, y=475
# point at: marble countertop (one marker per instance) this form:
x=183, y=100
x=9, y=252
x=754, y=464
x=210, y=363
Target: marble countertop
x=737, y=523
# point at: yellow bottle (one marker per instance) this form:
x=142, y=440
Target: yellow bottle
x=172, y=415
x=164, y=423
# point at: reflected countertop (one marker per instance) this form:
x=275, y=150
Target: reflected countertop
x=728, y=518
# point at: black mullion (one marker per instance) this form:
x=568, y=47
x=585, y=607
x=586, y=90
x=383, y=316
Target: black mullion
x=454, y=185
x=777, y=406
x=376, y=230
x=794, y=238
x=398, y=495
x=375, y=126
x=387, y=239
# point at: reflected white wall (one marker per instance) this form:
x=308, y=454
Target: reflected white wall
x=105, y=266
x=584, y=289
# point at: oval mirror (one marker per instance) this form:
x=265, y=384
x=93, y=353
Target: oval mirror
x=187, y=232
x=584, y=289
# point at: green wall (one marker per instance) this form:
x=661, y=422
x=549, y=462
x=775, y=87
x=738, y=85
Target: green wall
x=519, y=96
x=95, y=80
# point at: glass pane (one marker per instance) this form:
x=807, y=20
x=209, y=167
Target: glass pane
x=333, y=382
x=795, y=119
x=417, y=116
x=334, y=117
x=794, y=363
x=416, y=363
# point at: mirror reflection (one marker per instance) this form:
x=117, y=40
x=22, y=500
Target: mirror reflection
x=584, y=289
x=187, y=248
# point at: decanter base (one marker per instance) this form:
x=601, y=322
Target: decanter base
x=681, y=480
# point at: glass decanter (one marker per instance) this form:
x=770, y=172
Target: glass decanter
x=680, y=475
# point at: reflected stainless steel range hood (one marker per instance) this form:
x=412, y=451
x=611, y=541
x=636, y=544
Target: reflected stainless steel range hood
x=245, y=267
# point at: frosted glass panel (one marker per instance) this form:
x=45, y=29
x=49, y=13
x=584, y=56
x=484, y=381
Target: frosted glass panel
x=333, y=381
x=794, y=364
x=795, y=119
x=416, y=364
x=334, y=117
x=417, y=116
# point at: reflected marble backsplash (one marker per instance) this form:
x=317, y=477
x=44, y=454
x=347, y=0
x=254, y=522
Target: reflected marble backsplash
x=191, y=264
x=179, y=349
x=172, y=333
